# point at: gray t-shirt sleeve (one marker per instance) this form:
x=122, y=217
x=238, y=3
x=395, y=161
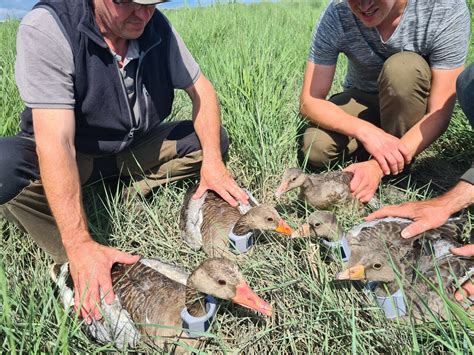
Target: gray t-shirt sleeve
x=468, y=176
x=183, y=68
x=44, y=64
x=451, y=41
x=326, y=37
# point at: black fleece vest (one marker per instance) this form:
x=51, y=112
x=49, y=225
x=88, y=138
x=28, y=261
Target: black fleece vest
x=104, y=123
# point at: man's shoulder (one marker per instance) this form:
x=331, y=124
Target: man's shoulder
x=38, y=18
x=434, y=6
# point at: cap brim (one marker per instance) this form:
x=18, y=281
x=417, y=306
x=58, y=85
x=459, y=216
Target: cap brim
x=149, y=2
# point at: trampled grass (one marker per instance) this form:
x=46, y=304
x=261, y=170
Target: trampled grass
x=255, y=57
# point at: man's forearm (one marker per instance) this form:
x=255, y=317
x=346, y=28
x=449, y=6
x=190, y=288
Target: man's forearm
x=426, y=131
x=60, y=178
x=206, y=117
x=459, y=197
x=330, y=116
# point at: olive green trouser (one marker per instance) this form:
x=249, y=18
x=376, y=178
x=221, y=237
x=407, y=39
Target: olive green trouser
x=164, y=156
x=404, y=86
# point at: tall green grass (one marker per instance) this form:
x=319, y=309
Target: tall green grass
x=255, y=56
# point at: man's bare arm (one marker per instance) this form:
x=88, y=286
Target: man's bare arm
x=206, y=117
x=90, y=263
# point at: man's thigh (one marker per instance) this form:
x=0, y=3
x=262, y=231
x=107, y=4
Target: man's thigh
x=322, y=146
x=170, y=141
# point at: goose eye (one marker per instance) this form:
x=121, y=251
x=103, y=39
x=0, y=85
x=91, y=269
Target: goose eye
x=222, y=282
x=269, y=219
x=293, y=178
x=317, y=224
x=377, y=266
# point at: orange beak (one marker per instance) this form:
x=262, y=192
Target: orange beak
x=353, y=273
x=303, y=231
x=283, y=228
x=249, y=299
x=281, y=189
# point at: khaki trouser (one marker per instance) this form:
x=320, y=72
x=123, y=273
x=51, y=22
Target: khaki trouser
x=170, y=153
x=404, y=86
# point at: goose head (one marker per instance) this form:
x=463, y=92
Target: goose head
x=292, y=178
x=221, y=278
x=374, y=259
x=263, y=217
x=321, y=224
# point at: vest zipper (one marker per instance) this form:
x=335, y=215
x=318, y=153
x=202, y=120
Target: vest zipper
x=140, y=60
x=132, y=121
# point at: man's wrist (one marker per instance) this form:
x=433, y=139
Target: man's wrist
x=72, y=240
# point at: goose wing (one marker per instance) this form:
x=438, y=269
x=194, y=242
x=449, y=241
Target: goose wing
x=173, y=272
x=191, y=218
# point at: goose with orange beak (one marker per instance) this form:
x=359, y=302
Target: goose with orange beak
x=161, y=303
x=405, y=276
x=221, y=230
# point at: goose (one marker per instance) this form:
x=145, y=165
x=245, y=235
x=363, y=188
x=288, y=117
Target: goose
x=324, y=226
x=219, y=229
x=405, y=274
x=161, y=303
x=321, y=191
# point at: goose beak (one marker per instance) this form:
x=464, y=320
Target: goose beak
x=245, y=296
x=281, y=189
x=303, y=231
x=353, y=273
x=283, y=228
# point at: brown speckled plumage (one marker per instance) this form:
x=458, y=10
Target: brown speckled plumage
x=322, y=191
x=154, y=300
x=219, y=218
x=380, y=247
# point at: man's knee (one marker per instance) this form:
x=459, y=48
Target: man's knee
x=465, y=92
x=403, y=74
x=318, y=148
x=18, y=166
x=190, y=143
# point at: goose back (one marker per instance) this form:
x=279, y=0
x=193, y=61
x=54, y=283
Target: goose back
x=151, y=298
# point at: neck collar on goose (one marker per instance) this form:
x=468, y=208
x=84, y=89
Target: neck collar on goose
x=341, y=247
x=394, y=305
x=195, y=326
x=240, y=244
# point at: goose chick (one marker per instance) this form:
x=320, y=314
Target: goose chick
x=154, y=301
x=320, y=224
x=209, y=221
x=380, y=254
x=322, y=191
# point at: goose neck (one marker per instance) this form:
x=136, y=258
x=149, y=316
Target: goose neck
x=195, y=302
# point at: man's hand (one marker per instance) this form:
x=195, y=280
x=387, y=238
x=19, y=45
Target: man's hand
x=90, y=265
x=389, y=151
x=366, y=179
x=216, y=177
x=426, y=215
x=467, y=289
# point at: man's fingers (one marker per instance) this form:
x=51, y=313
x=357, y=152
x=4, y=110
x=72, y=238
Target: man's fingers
x=392, y=163
x=382, y=163
x=240, y=194
x=405, y=153
x=467, y=250
x=227, y=197
x=400, y=162
x=105, y=284
x=414, y=229
x=200, y=191
x=466, y=290
x=126, y=258
x=355, y=183
x=386, y=211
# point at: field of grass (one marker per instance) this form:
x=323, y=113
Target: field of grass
x=255, y=57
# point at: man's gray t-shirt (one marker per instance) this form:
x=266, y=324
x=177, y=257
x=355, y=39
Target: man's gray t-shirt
x=44, y=68
x=438, y=30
